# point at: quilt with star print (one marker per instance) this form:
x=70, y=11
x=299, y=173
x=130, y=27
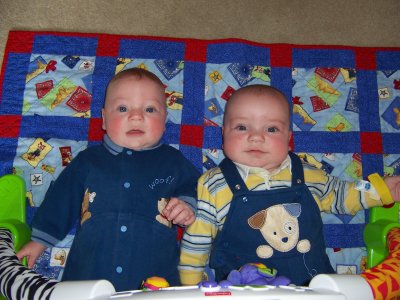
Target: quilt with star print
x=345, y=100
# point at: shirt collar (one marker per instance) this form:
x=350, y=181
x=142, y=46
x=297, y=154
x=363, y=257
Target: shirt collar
x=244, y=170
x=117, y=149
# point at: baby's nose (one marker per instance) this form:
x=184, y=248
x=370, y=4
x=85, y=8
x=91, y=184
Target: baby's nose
x=136, y=114
x=256, y=135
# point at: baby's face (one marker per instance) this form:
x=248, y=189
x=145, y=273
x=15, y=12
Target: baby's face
x=134, y=113
x=256, y=130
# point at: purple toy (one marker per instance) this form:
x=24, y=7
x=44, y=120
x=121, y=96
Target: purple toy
x=254, y=274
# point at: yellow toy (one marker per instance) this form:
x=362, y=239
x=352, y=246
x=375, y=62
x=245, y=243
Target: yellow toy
x=154, y=283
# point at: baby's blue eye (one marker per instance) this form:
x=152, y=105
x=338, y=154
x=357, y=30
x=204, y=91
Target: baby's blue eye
x=122, y=109
x=241, y=128
x=150, y=109
x=272, y=129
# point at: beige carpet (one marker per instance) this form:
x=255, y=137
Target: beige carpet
x=340, y=22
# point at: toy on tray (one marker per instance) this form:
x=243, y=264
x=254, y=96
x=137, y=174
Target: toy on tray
x=254, y=274
x=154, y=283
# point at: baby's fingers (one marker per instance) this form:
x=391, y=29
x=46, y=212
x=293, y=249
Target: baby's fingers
x=184, y=217
x=22, y=253
x=189, y=220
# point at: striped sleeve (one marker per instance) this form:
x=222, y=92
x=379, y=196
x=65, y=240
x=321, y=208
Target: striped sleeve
x=334, y=195
x=213, y=204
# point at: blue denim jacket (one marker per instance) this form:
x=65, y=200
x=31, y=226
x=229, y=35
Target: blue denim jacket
x=114, y=192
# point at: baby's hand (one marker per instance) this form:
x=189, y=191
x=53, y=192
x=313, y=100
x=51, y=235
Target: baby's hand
x=32, y=251
x=393, y=183
x=179, y=212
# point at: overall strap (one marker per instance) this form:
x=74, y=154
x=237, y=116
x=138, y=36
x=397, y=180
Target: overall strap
x=232, y=176
x=236, y=183
x=297, y=169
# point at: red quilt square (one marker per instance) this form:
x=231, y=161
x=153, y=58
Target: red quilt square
x=196, y=50
x=281, y=55
x=96, y=133
x=371, y=142
x=20, y=41
x=192, y=135
x=9, y=126
x=365, y=59
x=291, y=143
x=108, y=45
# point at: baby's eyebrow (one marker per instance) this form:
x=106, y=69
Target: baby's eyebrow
x=238, y=119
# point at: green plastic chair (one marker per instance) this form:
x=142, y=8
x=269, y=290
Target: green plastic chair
x=13, y=209
x=381, y=221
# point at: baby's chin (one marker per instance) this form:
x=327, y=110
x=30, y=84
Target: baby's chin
x=263, y=165
x=141, y=147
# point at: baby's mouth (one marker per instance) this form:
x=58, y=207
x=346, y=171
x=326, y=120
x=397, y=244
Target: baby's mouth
x=255, y=151
x=135, y=131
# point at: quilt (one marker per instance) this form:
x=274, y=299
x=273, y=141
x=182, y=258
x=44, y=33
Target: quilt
x=345, y=101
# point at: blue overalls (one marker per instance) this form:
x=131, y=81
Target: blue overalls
x=281, y=228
